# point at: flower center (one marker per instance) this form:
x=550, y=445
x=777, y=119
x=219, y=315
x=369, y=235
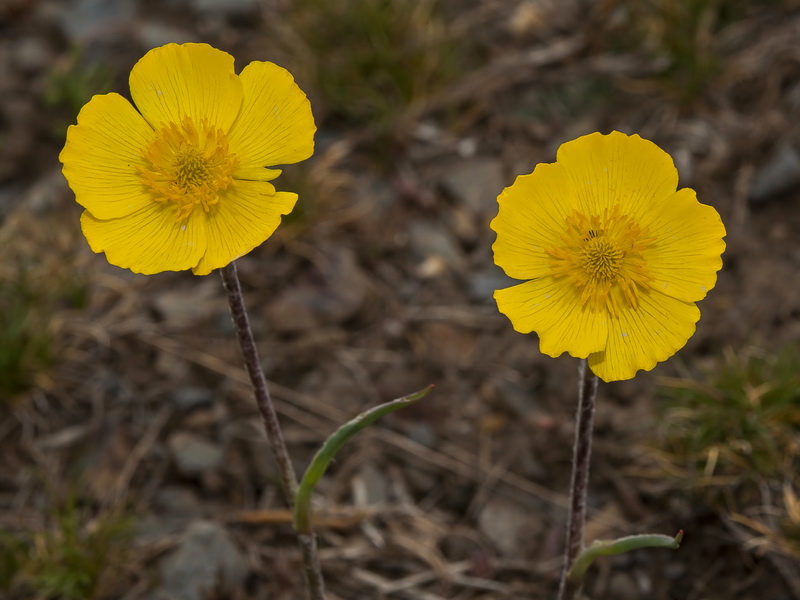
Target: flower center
x=602, y=256
x=188, y=165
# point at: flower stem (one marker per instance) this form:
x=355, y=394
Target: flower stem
x=581, y=455
x=306, y=541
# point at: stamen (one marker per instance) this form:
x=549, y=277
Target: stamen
x=188, y=165
x=602, y=255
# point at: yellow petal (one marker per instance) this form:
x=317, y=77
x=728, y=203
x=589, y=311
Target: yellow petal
x=247, y=215
x=532, y=217
x=149, y=240
x=552, y=309
x=686, y=254
x=641, y=337
x=195, y=80
x=101, y=155
x=257, y=174
x=275, y=126
x=618, y=169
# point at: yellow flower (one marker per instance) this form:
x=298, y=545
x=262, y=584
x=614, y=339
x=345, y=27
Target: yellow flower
x=614, y=256
x=183, y=183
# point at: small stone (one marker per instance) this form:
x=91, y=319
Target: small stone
x=463, y=224
x=449, y=345
x=183, y=307
x=457, y=547
x=622, y=587
x=33, y=54
x=153, y=34
x=429, y=242
x=370, y=486
x=420, y=481
x=778, y=175
x=675, y=571
x=375, y=195
x=176, y=499
x=422, y=433
x=508, y=525
x=150, y=529
x=190, y=398
x=229, y=8
x=338, y=297
x=483, y=284
x=294, y=310
x=193, y=455
x=9, y=197
x=46, y=194
x=83, y=18
x=476, y=183
x=205, y=560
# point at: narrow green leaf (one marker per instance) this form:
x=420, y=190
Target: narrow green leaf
x=325, y=454
x=618, y=546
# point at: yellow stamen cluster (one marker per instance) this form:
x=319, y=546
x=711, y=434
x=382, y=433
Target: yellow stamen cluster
x=602, y=255
x=188, y=165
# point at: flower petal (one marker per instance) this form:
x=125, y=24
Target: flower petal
x=618, y=169
x=187, y=80
x=149, y=240
x=247, y=215
x=275, y=125
x=552, y=308
x=532, y=217
x=257, y=174
x=686, y=255
x=638, y=338
x=101, y=155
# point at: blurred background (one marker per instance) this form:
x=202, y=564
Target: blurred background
x=132, y=461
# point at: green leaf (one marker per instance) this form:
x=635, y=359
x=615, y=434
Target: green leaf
x=618, y=546
x=325, y=454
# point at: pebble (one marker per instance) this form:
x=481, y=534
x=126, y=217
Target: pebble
x=370, y=487
x=476, y=183
x=153, y=34
x=780, y=174
x=509, y=526
x=205, y=560
x=82, y=19
x=622, y=587
x=429, y=242
x=47, y=193
x=33, y=54
x=190, y=398
x=422, y=433
x=193, y=455
x=339, y=297
x=675, y=571
x=182, y=307
x=9, y=196
x=230, y=8
x=483, y=284
x=375, y=195
x=176, y=499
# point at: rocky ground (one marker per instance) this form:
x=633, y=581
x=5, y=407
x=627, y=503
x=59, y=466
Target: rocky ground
x=135, y=421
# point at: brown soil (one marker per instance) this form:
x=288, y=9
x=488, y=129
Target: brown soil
x=381, y=285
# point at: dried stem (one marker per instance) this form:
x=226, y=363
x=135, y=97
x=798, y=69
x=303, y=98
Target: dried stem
x=581, y=455
x=307, y=542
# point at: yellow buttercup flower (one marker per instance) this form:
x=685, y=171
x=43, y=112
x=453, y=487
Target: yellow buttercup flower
x=182, y=183
x=614, y=254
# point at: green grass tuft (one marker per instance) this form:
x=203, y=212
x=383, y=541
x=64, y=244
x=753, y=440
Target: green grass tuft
x=371, y=62
x=67, y=560
x=740, y=421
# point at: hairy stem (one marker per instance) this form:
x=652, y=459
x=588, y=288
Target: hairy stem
x=307, y=542
x=581, y=455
